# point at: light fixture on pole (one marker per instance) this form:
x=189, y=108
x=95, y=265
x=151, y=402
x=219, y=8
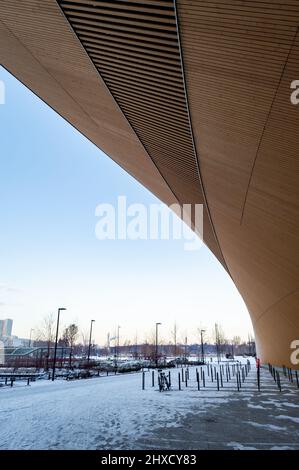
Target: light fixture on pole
x=56, y=341
x=202, y=348
x=157, y=324
x=118, y=351
x=89, y=345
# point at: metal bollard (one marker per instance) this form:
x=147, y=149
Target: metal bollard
x=239, y=376
x=143, y=380
x=153, y=378
x=203, y=378
x=179, y=375
x=217, y=377
x=169, y=378
x=278, y=381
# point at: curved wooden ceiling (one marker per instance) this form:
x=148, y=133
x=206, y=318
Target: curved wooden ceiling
x=135, y=48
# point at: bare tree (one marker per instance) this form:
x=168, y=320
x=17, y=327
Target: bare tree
x=70, y=335
x=174, y=334
x=69, y=338
x=85, y=341
x=46, y=333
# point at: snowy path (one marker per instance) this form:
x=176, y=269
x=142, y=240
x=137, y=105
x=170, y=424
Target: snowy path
x=114, y=413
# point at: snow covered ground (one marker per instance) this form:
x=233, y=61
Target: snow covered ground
x=115, y=413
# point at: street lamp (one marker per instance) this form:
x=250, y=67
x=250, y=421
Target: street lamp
x=186, y=344
x=56, y=341
x=157, y=324
x=202, y=349
x=89, y=346
x=118, y=328
x=32, y=329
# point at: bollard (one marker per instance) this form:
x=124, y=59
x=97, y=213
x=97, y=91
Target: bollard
x=226, y=373
x=221, y=380
x=208, y=369
x=107, y=373
x=28, y=380
x=217, y=376
x=258, y=378
x=153, y=378
x=278, y=381
x=239, y=376
x=183, y=375
x=211, y=371
x=229, y=376
x=203, y=378
x=11, y=382
x=169, y=378
x=143, y=380
x=186, y=383
x=5, y=380
x=179, y=375
x=197, y=378
x=238, y=388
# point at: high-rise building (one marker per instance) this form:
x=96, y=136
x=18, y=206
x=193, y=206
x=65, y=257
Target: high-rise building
x=6, y=327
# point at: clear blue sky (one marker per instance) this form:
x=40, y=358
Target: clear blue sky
x=51, y=180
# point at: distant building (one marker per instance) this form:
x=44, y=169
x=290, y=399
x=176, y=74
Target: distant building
x=6, y=327
x=5, y=331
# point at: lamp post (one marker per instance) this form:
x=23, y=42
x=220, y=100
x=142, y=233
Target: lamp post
x=157, y=324
x=56, y=341
x=186, y=344
x=118, y=328
x=32, y=329
x=202, y=349
x=89, y=345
